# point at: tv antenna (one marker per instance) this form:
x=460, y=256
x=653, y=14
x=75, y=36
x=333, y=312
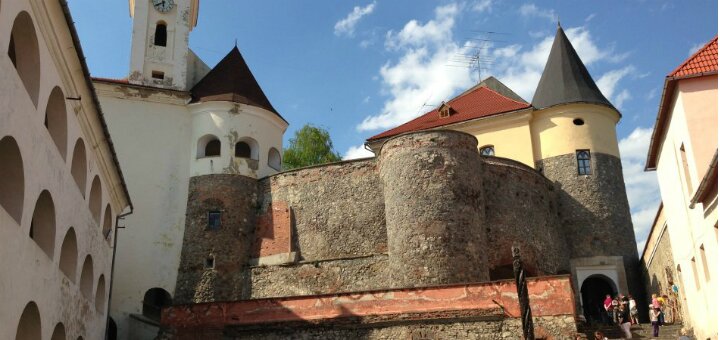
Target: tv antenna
x=476, y=54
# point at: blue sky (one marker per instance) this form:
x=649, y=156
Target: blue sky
x=358, y=68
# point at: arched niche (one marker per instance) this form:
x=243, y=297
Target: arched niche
x=274, y=160
x=95, y=199
x=29, y=327
x=42, y=226
x=24, y=53
x=100, y=295
x=208, y=146
x=160, y=34
x=79, y=165
x=12, y=178
x=154, y=300
x=69, y=255
x=56, y=120
x=247, y=147
x=86, y=277
x=107, y=223
x=58, y=332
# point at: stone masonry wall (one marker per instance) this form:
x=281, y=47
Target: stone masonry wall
x=522, y=209
x=434, y=208
x=229, y=246
x=661, y=273
x=595, y=212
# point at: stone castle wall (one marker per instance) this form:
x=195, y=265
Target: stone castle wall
x=429, y=210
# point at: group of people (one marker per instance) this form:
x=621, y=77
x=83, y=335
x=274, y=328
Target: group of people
x=622, y=311
x=658, y=316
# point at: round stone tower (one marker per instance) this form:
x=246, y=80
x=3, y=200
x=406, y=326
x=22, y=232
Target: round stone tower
x=575, y=145
x=433, y=209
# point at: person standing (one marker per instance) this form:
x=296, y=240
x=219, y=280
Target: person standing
x=608, y=308
x=624, y=321
x=633, y=310
x=654, y=314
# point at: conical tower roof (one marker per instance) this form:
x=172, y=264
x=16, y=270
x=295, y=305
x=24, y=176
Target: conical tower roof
x=231, y=80
x=565, y=79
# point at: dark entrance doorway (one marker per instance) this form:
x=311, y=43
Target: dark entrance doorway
x=593, y=292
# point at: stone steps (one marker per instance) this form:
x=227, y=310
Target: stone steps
x=642, y=331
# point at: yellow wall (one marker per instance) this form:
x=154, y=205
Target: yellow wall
x=554, y=134
x=509, y=134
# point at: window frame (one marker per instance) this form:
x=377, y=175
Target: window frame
x=210, y=219
x=583, y=165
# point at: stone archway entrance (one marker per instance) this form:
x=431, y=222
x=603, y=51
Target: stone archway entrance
x=593, y=292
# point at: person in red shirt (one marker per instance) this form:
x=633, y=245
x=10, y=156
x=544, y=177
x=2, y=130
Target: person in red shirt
x=608, y=308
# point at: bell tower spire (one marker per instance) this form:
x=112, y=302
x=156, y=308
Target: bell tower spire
x=159, y=53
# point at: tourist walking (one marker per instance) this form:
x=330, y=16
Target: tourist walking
x=633, y=310
x=624, y=321
x=654, y=314
x=607, y=304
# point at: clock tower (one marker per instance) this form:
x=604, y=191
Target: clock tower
x=160, y=56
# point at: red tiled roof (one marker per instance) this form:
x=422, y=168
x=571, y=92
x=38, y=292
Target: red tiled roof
x=704, y=60
x=479, y=102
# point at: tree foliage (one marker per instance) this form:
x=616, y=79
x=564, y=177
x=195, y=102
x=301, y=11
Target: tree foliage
x=310, y=146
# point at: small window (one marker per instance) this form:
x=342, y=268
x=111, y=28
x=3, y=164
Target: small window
x=210, y=262
x=274, y=159
x=212, y=148
x=158, y=75
x=583, y=162
x=242, y=149
x=578, y=121
x=488, y=150
x=214, y=220
x=161, y=34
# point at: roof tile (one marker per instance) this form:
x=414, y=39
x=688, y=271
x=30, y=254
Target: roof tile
x=704, y=60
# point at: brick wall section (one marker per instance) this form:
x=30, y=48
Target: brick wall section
x=595, y=212
x=434, y=209
x=338, y=209
x=523, y=210
x=479, y=309
x=273, y=231
x=236, y=197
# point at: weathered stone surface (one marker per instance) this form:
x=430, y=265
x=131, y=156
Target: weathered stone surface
x=320, y=277
x=521, y=208
x=337, y=209
x=235, y=196
x=273, y=231
x=434, y=209
x=594, y=211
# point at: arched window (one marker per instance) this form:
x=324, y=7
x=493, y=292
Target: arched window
x=86, y=277
x=29, y=326
x=583, y=162
x=69, y=254
x=107, y=222
x=95, y=202
x=25, y=55
x=154, y=301
x=487, y=150
x=12, y=178
x=59, y=332
x=161, y=34
x=242, y=149
x=56, y=120
x=42, y=226
x=208, y=146
x=100, y=295
x=79, y=166
x=274, y=160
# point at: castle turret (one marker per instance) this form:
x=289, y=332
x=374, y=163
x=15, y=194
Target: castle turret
x=575, y=145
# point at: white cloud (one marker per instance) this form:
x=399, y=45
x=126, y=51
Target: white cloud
x=651, y=94
x=609, y=80
x=695, y=48
x=621, y=98
x=530, y=10
x=359, y=151
x=420, y=76
x=642, y=187
x=347, y=25
x=482, y=6
x=590, y=17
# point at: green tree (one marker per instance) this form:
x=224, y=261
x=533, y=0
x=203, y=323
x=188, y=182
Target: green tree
x=310, y=146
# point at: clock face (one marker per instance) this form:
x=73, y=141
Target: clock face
x=163, y=6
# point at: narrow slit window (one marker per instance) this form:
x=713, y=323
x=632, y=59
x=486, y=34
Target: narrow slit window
x=583, y=162
x=210, y=262
x=686, y=169
x=214, y=220
x=158, y=75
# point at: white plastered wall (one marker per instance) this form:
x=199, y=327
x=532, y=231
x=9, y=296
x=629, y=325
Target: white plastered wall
x=151, y=131
x=28, y=274
x=687, y=227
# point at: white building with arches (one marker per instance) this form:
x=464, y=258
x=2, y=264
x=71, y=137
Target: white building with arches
x=61, y=188
x=174, y=118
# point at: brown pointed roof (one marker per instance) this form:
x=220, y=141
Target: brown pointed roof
x=231, y=80
x=565, y=79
